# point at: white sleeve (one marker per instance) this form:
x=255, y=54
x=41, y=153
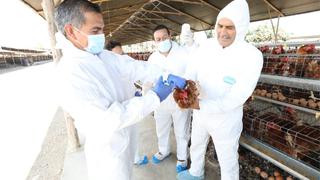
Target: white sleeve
x=139, y=70
x=237, y=95
x=83, y=100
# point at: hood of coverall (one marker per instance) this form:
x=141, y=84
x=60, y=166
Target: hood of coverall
x=238, y=12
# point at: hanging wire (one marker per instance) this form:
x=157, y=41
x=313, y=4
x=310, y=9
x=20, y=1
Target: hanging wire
x=275, y=31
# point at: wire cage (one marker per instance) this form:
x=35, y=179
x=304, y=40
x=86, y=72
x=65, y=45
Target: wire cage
x=300, y=62
x=294, y=96
x=143, y=56
x=284, y=129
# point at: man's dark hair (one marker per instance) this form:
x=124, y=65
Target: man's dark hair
x=72, y=12
x=161, y=26
x=112, y=44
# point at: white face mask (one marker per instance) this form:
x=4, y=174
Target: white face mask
x=164, y=46
x=96, y=42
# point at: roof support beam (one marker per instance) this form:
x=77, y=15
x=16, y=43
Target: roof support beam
x=126, y=38
x=149, y=32
x=116, y=21
x=118, y=17
x=184, y=13
x=134, y=14
x=134, y=24
x=164, y=12
x=200, y=2
x=146, y=20
x=128, y=8
x=187, y=2
x=99, y=1
x=132, y=28
x=127, y=33
x=146, y=31
x=273, y=7
x=115, y=10
x=138, y=32
x=211, y=5
x=162, y=17
x=48, y=7
x=170, y=21
x=152, y=19
x=134, y=38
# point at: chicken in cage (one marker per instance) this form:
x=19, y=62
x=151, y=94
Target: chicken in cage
x=285, y=129
x=304, y=142
x=302, y=62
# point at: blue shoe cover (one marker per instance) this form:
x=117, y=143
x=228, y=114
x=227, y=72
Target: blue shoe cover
x=156, y=160
x=185, y=175
x=144, y=161
x=180, y=168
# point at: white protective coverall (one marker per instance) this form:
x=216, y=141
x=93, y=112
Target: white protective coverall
x=93, y=90
x=131, y=90
x=227, y=78
x=169, y=112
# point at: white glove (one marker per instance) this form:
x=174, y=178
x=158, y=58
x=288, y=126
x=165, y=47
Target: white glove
x=186, y=36
x=146, y=87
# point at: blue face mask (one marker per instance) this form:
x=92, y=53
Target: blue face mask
x=164, y=46
x=96, y=42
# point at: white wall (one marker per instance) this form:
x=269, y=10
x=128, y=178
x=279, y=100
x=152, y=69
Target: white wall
x=21, y=26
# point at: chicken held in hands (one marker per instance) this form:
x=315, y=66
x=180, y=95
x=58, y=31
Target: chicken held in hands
x=187, y=97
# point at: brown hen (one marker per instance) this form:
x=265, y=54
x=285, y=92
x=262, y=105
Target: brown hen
x=187, y=97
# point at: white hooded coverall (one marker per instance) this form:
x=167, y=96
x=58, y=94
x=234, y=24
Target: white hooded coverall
x=227, y=78
x=169, y=112
x=93, y=90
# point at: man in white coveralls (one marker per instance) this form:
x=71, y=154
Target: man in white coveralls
x=227, y=69
x=93, y=90
x=172, y=58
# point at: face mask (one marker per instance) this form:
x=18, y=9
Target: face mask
x=164, y=46
x=96, y=43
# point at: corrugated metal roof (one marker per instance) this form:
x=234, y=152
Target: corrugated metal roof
x=133, y=21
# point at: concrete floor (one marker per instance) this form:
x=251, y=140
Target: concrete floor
x=75, y=166
x=28, y=105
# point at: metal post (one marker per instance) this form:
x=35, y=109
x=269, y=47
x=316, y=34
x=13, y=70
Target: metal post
x=48, y=8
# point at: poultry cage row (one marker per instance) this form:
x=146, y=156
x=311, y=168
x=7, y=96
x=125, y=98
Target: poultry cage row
x=281, y=120
x=290, y=131
x=22, y=59
x=301, y=62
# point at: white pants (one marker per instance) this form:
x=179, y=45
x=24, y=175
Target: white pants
x=135, y=140
x=110, y=160
x=225, y=131
x=181, y=125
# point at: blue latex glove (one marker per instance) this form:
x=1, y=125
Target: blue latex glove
x=177, y=81
x=163, y=89
x=137, y=94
